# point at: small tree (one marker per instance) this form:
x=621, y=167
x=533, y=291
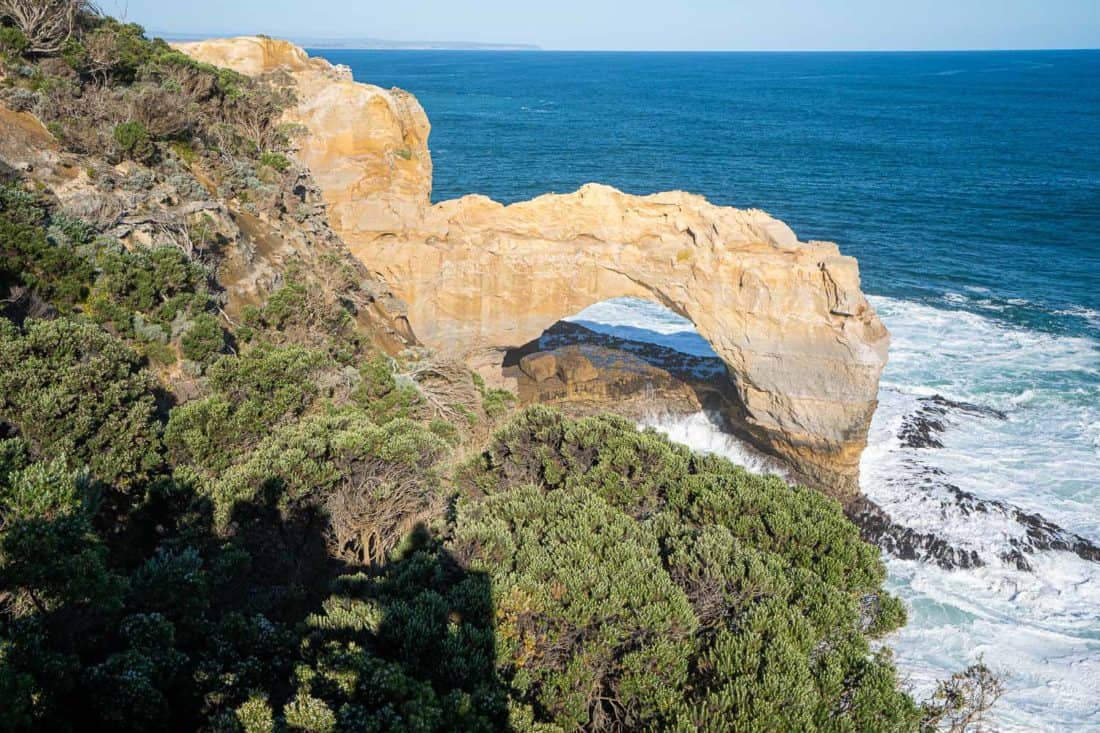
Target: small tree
x=133, y=140
x=960, y=703
x=46, y=24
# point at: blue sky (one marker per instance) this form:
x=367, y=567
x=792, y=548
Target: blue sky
x=645, y=24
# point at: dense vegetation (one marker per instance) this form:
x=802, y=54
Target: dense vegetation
x=311, y=535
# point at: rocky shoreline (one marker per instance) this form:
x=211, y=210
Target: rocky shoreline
x=585, y=371
x=922, y=430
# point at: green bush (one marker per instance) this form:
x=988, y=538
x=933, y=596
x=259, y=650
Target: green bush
x=379, y=393
x=30, y=258
x=584, y=607
x=133, y=140
x=278, y=161
x=204, y=339
x=72, y=389
x=13, y=41
x=637, y=585
x=161, y=284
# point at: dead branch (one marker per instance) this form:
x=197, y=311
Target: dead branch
x=46, y=24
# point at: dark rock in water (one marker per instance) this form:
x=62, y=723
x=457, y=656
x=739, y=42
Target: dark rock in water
x=877, y=527
x=922, y=428
x=1041, y=534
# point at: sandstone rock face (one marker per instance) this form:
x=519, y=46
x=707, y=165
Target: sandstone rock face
x=539, y=367
x=575, y=368
x=802, y=346
x=637, y=389
x=366, y=146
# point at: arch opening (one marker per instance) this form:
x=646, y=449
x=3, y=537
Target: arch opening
x=631, y=356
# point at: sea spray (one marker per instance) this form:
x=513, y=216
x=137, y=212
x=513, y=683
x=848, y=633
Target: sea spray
x=702, y=432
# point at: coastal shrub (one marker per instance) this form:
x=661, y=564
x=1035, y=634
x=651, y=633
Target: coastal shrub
x=45, y=25
x=72, y=389
x=642, y=472
x=252, y=394
x=12, y=41
x=590, y=627
x=204, y=339
x=31, y=261
x=161, y=284
x=373, y=483
x=133, y=140
x=411, y=648
x=278, y=161
x=379, y=393
x=758, y=589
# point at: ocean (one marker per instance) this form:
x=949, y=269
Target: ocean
x=968, y=185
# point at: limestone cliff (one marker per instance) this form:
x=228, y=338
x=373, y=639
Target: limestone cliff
x=803, y=348
x=367, y=146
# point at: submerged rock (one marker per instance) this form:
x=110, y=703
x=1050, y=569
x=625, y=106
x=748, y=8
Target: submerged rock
x=877, y=527
x=1036, y=534
x=922, y=428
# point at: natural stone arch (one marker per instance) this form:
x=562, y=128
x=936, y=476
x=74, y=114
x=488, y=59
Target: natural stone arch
x=787, y=317
x=802, y=345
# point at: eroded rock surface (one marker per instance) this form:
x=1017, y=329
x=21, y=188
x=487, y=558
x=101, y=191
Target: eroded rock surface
x=801, y=344
x=584, y=379
x=367, y=147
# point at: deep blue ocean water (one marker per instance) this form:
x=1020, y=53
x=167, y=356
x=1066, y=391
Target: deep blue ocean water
x=941, y=172
x=967, y=184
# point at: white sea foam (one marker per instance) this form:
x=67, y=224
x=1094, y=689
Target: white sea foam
x=703, y=433
x=1088, y=314
x=1041, y=628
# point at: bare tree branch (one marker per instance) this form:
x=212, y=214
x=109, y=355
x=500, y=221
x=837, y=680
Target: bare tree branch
x=46, y=24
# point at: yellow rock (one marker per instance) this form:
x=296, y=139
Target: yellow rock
x=366, y=146
x=540, y=366
x=803, y=348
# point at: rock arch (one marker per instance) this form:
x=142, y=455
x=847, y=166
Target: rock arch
x=801, y=343
x=799, y=339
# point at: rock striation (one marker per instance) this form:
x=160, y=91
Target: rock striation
x=803, y=348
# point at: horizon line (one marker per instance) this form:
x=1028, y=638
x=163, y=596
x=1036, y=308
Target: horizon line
x=522, y=47
x=488, y=47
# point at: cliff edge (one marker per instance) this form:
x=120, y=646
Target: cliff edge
x=803, y=348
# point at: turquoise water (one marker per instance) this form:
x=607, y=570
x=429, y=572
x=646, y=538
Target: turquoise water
x=967, y=184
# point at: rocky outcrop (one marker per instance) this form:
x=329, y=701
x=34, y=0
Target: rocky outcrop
x=803, y=348
x=584, y=379
x=367, y=147
x=251, y=248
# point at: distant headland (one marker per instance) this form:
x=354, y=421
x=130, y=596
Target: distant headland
x=367, y=44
